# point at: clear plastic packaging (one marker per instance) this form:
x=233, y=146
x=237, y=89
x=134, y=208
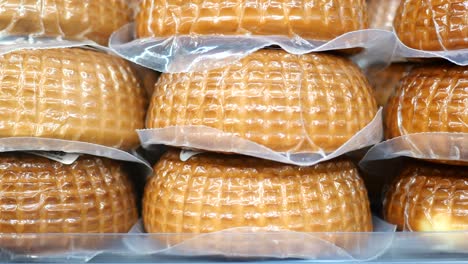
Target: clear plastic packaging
x=429, y=197
x=10, y=144
x=70, y=93
x=403, y=247
x=93, y=20
x=184, y=53
x=257, y=243
x=435, y=146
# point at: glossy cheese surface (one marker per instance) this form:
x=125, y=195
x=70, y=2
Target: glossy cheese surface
x=37, y=195
x=72, y=94
x=309, y=19
x=429, y=197
x=288, y=103
x=212, y=192
x=433, y=24
x=68, y=19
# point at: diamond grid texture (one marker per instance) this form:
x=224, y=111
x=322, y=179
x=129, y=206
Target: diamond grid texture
x=428, y=197
x=433, y=24
x=430, y=99
x=69, y=19
x=286, y=102
x=71, y=94
x=210, y=192
x=309, y=19
x=93, y=195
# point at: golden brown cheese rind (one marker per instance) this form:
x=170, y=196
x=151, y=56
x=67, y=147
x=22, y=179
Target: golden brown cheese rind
x=212, y=192
x=429, y=197
x=309, y=19
x=288, y=103
x=92, y=195
x=433, y=24
x=430, y=99
x=69, y=19
x=71, y=94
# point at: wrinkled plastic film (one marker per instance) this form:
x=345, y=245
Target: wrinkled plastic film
x=10, y=144
x=93, y=20
x=261, y=242
x=92, y=195
x=197, y=53
x=79, y=94
x=210, y=139
x=441, y=146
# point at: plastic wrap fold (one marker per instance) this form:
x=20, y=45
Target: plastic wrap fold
x=186, y=53
x=249, y=242
x=211, y=139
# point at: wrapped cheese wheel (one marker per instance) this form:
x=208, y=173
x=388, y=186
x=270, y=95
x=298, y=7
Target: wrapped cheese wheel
x=309, y=19
x=68, y=19
x=386, y=81
x=211, y=192
x=382, y=13
x=40, y=196
x=92, y=195
x=430, y=99
x=433, y=25
x=288, y=103
x=429, y=197
x=72, y=94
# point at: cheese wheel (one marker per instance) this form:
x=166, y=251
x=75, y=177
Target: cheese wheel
x=433, y=24
x=212, y=192
x=382, y=13
x=69, y=19
x=430, y=99
x=309, y=19
x=71, y=94
x=386, y=81
x=92, y=195
x=428, y=197
x=288, y=103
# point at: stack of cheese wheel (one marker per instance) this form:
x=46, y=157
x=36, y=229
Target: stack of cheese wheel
x=74, y=94
x=430, y=197
x=287, y=103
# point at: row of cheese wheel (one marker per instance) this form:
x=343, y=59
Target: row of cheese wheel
x=212, y=192
x=84, y=95
x=420, y=24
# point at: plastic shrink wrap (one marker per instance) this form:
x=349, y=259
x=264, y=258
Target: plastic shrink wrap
x=427, y=118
